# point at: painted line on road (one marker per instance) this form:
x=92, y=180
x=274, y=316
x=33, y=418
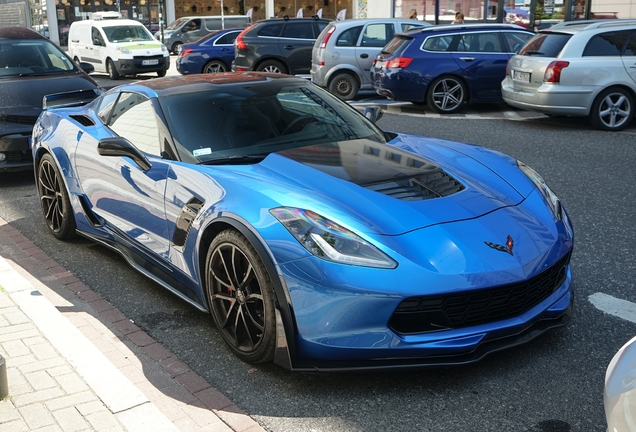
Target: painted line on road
x=620, y=308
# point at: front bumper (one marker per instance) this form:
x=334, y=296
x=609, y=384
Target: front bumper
x=15, y=153
x=136, y=65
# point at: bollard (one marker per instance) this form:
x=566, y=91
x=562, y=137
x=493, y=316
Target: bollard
x=4, y=385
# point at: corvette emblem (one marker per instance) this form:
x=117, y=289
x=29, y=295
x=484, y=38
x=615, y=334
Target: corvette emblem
x=500, y=248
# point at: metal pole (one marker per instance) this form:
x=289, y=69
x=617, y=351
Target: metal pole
x=222, y=16
x=4, y=384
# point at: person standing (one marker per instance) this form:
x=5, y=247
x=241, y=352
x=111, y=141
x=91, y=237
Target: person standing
x=413, y=14
x=459, y=18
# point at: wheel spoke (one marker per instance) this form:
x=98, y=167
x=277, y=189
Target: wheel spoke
x=242, y=323
x=223, y=299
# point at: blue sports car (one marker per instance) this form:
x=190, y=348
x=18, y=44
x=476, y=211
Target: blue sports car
x=314, y=239
x=211, y=54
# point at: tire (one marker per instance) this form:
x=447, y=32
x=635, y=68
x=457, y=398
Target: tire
x=272, y=66
x=215, y=66
x=54, y=199
x=176, y=48
x=112, y=70
x=344, y=85
x=161, y=74
x=446, y=95
x=241, y=297
x=613, y=109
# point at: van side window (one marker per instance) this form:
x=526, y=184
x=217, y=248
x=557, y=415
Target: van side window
x=96, y=37
x=193, y=25
x=134, y=119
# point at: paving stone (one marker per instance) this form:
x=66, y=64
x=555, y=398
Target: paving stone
x=36, y=415
x=200, y=414
x=15, y=426
x=70, y=419
x=42, y=364
x=8, y=412
x=91, y=407
x=44, y=351
x=39, y=396
x=102, y=420
x=15, y=348
x=72, y=383
x=71, y=400
x=40, y=380
x=60, y=370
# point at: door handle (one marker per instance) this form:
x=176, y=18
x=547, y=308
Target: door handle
x=633, y=66
x=364, y=55
x=468, y=59
x=289, y=47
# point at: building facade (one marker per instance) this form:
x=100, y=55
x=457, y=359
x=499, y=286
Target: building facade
x=59, y=14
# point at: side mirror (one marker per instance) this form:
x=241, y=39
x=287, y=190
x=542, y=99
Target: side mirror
x=87, y=67
x=373, y=113
x=118, y=146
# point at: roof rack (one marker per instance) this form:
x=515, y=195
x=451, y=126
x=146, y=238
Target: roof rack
x=592, y=24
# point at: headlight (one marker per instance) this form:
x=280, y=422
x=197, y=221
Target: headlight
x=123, y=51
x=163, y=48
x=329, y=241
x=550, y=197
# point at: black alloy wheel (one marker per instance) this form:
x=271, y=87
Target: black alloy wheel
x=54, y=199
x=240, y=296
x=446, y=95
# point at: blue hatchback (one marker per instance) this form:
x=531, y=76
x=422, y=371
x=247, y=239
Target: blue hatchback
x=211, y=54
x=447, y=66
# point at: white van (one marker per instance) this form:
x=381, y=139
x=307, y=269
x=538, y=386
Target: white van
x=193, y=28
x=117, y=47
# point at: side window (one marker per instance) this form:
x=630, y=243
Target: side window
x=298, y=30
x=227, y=39
x=630, y=47
x=321, y=26
x=349, y=37
x=479, y=42
x=212, y=24
x=606, y=44
x=513, y=41
x=134, y=119
x=438, y=43
x=106, y=106
x=96, y=37
x=192, y=25
x=377, y=35
x=272, y=30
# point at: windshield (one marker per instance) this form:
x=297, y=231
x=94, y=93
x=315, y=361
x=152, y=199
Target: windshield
x=260, y=118
x=176, y=24
x=127, y=33
x=32, y=57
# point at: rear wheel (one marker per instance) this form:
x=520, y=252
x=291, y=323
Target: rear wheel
x=446, y=95
x=176, y=48
x=54, y=199
x=241, y=297
x=215, y=66
x=613, y=109
x=344, y=86
x=112, y=70
x=272, y=66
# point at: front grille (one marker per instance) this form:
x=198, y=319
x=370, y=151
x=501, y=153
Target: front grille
x=18, y=156
x=28, y=120
x=158, y=57
x=426, y=186
x=460, y=310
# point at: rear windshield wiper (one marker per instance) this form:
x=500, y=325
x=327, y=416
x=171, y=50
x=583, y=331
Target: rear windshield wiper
x=236, y=159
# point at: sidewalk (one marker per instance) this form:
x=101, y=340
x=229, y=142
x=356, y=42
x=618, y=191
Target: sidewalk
x=75, y=363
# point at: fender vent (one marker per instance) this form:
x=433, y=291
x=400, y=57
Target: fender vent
x=188, y=213
x=83, y=120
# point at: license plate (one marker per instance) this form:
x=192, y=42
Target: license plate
x=149, y=62
x=521, y=76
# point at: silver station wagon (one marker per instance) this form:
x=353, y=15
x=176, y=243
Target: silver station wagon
x=578, y=68
x=344, y=52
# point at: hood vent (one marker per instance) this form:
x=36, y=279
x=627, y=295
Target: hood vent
x=83, y=120
x=434, y=185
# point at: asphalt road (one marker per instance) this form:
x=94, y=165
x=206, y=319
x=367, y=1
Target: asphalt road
x=553, y=384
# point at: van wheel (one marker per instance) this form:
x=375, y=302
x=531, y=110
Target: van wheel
x=161, y=73
x=344, y=86
x=112, y=70
x=176, y=48
x=76, y=60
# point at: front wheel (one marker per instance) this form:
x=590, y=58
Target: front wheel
x=112, y=70
x=240, y=295
x=446, y=95
x=613, y=109
x=161, y=74
x=271, y=66
x=54, y=199
x=344, y=86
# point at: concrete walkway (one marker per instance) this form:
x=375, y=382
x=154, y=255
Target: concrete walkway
x=75, y=363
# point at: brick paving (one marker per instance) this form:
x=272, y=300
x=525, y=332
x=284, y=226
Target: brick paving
x=75, y=363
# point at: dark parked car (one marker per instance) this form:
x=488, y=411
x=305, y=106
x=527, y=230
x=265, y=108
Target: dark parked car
x=278, y=45
x=210, y=54
x=447, y=66
x=31, y=66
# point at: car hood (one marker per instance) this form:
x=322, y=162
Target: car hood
x=384, y=188
x=22, y=96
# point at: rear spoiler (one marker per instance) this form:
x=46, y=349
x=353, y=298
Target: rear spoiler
x=68, y=99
